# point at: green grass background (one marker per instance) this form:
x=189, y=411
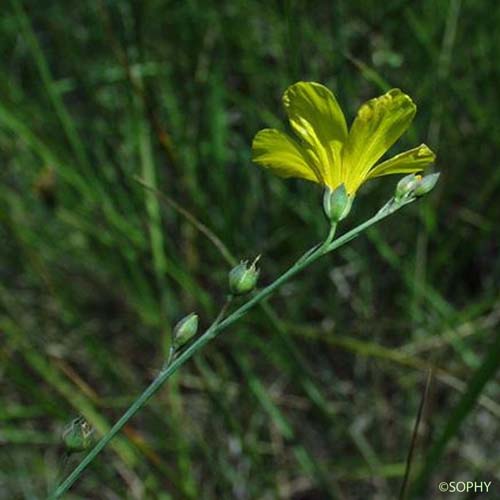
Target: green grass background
x=316, y=395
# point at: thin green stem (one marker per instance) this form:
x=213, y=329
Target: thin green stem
x=221, y=324
x=331, y=234
x=411, y=451
x=223, y=311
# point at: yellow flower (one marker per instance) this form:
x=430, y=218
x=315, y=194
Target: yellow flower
x=326, y=152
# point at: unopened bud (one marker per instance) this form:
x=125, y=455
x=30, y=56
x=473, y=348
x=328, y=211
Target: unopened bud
x=407, y=185
x=426, y=184
x=243, y=277
x=336, y=203
x=185, y=330
x=78, y=435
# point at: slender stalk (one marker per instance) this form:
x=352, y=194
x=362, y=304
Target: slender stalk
x=331, y=234
x=214, y=239
x=409, y=458
x=223, y=311
x=484, y=374
x=221, y=324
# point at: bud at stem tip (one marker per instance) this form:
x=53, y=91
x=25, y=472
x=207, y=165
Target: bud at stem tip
x=243, y=277
x=336, y=203
x=185, y=330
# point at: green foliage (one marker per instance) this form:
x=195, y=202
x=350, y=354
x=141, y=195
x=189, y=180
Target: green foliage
x=318, y=389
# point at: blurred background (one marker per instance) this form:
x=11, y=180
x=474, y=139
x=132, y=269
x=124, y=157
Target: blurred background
x=315, y=395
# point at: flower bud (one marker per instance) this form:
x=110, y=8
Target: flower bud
x=407, y=185
x=185, y=330
x=426, y=184
x=78, y=435
x=336, y=204
x=243, y=278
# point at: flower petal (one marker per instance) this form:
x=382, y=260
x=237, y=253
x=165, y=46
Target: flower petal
x=378, y=125
x=413, y=160
x=282, y=155
x=317, y=119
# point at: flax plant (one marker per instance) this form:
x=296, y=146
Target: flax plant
x=326, y=152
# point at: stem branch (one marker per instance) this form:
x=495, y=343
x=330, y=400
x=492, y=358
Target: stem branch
x=221, y=324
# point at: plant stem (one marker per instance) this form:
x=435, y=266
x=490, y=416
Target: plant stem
x=331, y=234
x=221, y=324
x=409, y=458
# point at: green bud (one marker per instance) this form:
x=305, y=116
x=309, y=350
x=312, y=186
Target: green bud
x=427, y=184
x=407, y=185
x=78, y=435
x=243, y=278
x=336, y=203
x=185, y=330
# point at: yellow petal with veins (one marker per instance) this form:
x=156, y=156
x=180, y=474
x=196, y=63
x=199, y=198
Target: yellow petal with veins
x=413, y=160
x=317, y=119
x=380, y=122
x=282, y=155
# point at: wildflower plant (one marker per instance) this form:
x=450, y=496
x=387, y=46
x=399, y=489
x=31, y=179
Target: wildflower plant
x=326, y=152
